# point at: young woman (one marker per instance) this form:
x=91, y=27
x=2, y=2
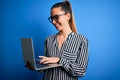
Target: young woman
x=67, y=47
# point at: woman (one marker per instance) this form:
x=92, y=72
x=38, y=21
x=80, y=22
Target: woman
x=66, y=48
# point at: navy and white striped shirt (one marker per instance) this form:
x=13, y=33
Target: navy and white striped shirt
x=73, y=57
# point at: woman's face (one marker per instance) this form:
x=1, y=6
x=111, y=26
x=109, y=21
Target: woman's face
x=60, y=18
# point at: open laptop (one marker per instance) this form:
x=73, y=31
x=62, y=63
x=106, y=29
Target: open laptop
x=28, y=55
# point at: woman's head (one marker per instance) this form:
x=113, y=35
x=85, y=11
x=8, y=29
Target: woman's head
x=61, y=14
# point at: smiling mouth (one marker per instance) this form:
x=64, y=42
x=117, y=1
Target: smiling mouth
x=58, y=24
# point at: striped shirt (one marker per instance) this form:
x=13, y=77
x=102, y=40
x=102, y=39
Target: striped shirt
x=73, y=57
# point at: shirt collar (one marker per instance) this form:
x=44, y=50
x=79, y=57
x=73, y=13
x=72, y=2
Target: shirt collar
x=55, y=38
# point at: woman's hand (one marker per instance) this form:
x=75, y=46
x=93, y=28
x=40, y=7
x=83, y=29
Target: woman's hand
x=28, y=65
x=47, y=60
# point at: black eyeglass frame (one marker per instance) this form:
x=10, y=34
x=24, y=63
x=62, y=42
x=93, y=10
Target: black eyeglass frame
x=55, y=17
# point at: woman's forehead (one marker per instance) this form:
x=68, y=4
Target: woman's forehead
x=56, y=10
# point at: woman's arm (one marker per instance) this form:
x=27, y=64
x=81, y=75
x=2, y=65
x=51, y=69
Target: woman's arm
x=78, y=67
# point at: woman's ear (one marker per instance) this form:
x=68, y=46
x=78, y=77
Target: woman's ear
x=68, y=16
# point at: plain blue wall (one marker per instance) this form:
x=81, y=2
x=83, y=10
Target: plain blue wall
x=98, y=20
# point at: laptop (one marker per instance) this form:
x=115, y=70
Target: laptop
x=28, y=56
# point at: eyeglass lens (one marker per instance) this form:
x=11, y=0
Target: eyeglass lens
x=56, y=17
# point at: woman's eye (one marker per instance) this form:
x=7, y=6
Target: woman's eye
x=56, y=17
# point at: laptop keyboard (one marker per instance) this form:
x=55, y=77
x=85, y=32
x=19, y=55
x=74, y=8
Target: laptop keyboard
x=40, y=65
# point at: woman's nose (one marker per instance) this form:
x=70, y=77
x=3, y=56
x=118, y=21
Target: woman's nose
x=53, y=21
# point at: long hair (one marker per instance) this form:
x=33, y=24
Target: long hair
x=66, y=7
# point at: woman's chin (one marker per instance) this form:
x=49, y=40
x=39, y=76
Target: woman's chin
x=59, y=28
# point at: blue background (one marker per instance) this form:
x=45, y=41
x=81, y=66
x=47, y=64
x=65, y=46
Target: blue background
x=98, y=20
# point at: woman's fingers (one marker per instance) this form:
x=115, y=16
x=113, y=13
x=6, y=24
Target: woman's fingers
x=42, y=57
x=47, y=62
x=44, y=60
x=28, y=65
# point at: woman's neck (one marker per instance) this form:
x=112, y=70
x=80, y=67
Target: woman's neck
x=65, y=33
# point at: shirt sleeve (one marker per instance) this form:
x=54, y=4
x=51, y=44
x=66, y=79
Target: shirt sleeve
x=78, y=67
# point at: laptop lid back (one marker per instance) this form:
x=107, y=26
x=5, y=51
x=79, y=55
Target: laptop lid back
x=28, y=51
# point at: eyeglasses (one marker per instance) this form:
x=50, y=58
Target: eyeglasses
x=55, y=17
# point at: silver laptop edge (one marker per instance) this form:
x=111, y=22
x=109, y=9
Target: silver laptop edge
x=27, y=44
x=27, y=47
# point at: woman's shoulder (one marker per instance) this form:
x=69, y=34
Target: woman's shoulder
x=81, y=37
x=51, y=37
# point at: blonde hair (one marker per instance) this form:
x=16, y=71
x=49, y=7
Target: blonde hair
x=66, y=7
